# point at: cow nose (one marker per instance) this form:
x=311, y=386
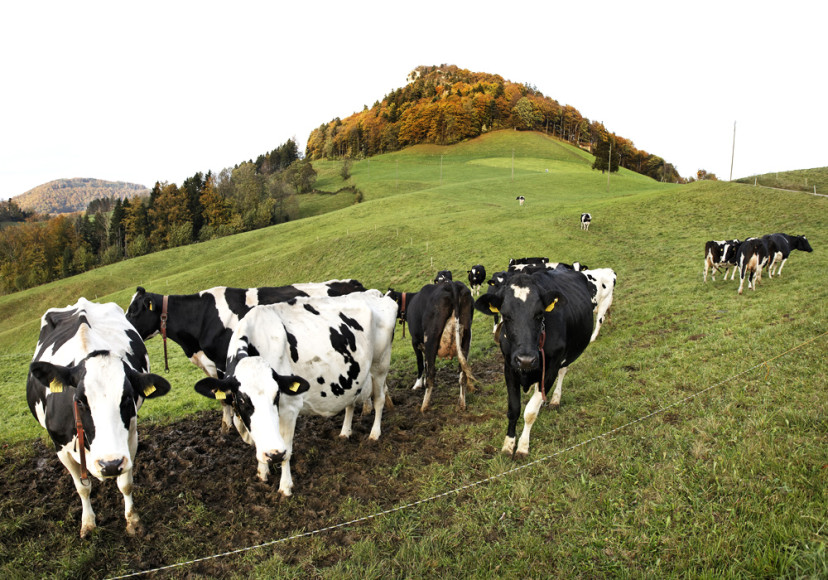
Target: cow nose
x=275, y=457
x=526, y=362
x=112, y=467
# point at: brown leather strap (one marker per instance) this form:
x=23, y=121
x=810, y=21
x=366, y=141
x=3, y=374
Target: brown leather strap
x=81, y=443
x=164, y=330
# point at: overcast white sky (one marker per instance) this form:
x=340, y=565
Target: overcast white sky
x=156, y=91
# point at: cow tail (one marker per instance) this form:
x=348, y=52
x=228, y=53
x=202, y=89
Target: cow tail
x=464, y=363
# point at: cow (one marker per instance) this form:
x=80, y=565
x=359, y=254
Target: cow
x=87, y=380
x=477, y=275
x=520, y=199
x=586, y=219
x=718, y=255
x=443, y=276
x=308, y=356
x=602, y=285
x=547, y=320
x=202, y=324
x=780, y=247
x=439, y=319
x=751, y=257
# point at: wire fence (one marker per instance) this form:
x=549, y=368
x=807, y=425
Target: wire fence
x=765, y=365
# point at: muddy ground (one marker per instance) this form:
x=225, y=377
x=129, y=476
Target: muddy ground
x=198, y=488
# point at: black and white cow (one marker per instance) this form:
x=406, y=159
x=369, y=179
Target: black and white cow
x=477, y=275
x=586, y=219
x=751, y=257
x=202, y=324
x=547, y=320
x=443, y=276
x=439, y=319
x=602, y=285
x=91, y=366
x=309, y=356
x=720, y=254
x=780, y=247
x=521, y=200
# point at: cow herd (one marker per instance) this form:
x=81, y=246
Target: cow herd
x=272, y=354
x=751, y=256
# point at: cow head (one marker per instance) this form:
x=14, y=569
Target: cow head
x=525, y=308
x=144, y=313
x=443, y=276
x=801, y=244
x=109, y=394
x=254, y=390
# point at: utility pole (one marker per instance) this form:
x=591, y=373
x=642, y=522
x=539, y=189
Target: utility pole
x=733, y=151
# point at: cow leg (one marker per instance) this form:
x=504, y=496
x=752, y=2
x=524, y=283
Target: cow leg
x=706, y=268
x=781, y=265
x=430, y=372
x=287, y=427
x=529, y=416
x=556, y=396
x=742, y=279
x=380, y=397
x=345, y=433
x=420, y=367
x=463, y=382
x=513, y=412
x=84, y=491
x=133, y=522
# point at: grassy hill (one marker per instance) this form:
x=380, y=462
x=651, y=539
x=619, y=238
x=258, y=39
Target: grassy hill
x=70, y=195
x=811, y=180
x=730, y=482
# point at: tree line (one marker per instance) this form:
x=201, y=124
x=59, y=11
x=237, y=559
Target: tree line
x=444, y=105
x=36, y=249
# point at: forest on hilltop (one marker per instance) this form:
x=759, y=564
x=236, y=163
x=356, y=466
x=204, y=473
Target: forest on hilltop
x=446, y=104
x=70, y=195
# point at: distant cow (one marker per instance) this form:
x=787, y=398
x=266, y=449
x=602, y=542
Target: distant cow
x=751, y=258
x=586, y=219
x=718, y=255
x=520, y=199
x=443, y=276
x=547, y=319
x=86, y=382
x=439, y=319
x=780, y=247
x=202, y=324
x=309, y=356
x=477, y=275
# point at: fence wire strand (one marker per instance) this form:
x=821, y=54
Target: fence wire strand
x=458, y=490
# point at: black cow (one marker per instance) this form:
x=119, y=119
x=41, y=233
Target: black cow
x=443, y=276
x=477, y=275
x=439, y=319
x=586, y=219
x=780, y=247
x=718, y=255
x=90, y=367
x=547, y=323
x=202, y=324
x=751, y=257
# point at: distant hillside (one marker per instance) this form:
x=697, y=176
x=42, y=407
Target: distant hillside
x=446, y=105
x=810, y=180
x=69, y=195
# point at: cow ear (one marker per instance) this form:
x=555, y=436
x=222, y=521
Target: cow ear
x=220, y=389
x=56, y=377
x=489, y=304
x=291, y=384
x=149, y=385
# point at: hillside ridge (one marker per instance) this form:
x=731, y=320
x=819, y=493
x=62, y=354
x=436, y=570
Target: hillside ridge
x=74, y=194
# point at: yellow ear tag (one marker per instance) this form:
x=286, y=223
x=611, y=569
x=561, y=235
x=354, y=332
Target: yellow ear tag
x=150, y=306
x=551, y=307
x=149, y=390
x=220, y=395
x=294, y=387
x=56, y=386
x=493, y=309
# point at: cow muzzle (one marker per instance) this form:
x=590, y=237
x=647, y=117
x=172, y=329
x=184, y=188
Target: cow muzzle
x=525, y=362
x=112, y=467
x=274, y=457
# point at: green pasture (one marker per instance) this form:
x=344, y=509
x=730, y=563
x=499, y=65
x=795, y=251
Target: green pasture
x=732, y=483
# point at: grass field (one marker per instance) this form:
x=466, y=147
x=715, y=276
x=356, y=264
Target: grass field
x=725, y=475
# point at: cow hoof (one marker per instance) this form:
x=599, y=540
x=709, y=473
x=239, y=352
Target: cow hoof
x=86, y=531
x=285, y=492
x=521, y=454
x=344, y=437
x=134, y=528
